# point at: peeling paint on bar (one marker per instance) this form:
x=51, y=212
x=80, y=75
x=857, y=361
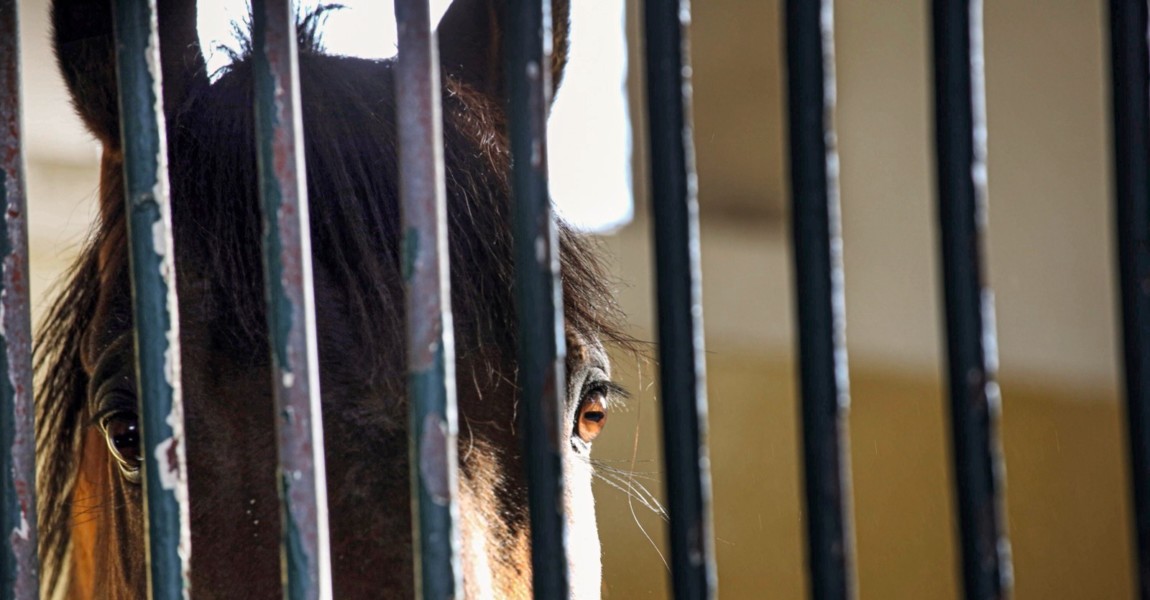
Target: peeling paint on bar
x=305, y=547
x=19, y=565
x=433, y=419
x=173, y=474
x=155, y=305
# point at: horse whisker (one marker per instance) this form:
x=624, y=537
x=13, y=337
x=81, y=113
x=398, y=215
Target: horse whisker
x=631, y=493
x=640, y=492
x=647, y=475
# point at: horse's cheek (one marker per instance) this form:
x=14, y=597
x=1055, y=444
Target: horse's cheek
x=585, y=566
x=85, y=529
x=107, y=528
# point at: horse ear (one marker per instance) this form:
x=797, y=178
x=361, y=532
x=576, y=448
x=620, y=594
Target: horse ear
x=471, y=42
x=85, y=51
x=181, y=57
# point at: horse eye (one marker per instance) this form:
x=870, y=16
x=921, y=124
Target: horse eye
x=592, y=417
x=122, y=432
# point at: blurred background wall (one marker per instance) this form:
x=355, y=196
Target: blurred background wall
x=1049, y=262
x=1050, y=265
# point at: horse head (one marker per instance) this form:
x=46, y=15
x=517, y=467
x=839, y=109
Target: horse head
x=91, y=505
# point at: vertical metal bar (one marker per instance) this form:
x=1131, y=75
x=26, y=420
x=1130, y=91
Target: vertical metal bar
x=156, y=310
x=542, y=344
x=821, y=305
x=1131, y=96
x=430, y=339
x=18, y=561
x=960, y=129
x=682, y=371
x=305, y=547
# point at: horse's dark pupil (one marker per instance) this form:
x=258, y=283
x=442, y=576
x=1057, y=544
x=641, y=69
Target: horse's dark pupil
x=125, y=437
x=593, y=416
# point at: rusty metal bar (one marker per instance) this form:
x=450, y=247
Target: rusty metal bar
x=19, y=566
x=818, y=253
x=1130, y=80
x=539, y=293
x=960, y=130
x=155, y=306
x=430, y=339
x=305, y=546
x=682, y=370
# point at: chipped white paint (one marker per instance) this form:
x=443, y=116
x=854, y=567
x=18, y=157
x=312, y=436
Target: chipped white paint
x=169, y=477
x=288, y=379
x=172, y=477
x=24, y=530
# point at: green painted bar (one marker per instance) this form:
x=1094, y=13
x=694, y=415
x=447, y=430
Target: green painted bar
x=155, y=305
x=291, y=303
x=430, y=340
x=19, y=565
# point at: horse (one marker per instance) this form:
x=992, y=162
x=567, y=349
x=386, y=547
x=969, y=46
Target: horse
x=90, y=505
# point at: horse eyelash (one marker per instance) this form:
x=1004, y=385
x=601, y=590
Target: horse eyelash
x=608, y=388
x=110, y=407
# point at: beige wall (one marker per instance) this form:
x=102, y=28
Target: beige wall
x=1049, y=261
x=1068, y=511
x=1050, y=245
x=1067, y=507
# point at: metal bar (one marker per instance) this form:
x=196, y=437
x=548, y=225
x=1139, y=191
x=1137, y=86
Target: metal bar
x=960, y=129
x=19, y=566
x=1131, y=96
x=821, y=306
x=539, y=299
x=305, y=548
x=682, y=371
x=430, y=338
x=155, y=306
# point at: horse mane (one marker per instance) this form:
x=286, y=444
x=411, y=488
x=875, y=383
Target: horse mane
x=349, y=115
